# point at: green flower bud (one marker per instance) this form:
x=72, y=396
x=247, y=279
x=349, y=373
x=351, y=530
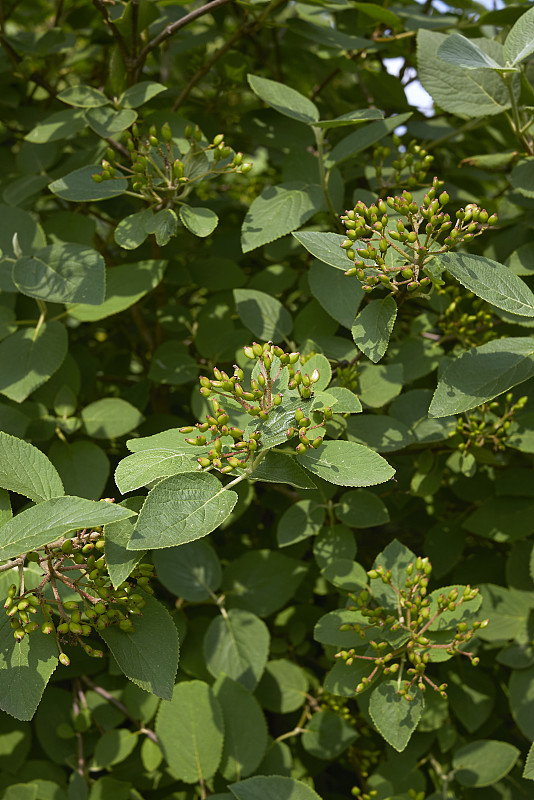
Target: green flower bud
x=64, y=659
x=166, y=132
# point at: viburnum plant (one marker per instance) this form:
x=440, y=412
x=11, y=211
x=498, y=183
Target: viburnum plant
x=266, y=417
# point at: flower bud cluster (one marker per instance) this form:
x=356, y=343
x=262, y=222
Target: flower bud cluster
x=415, y=160
x=229, y=449
x=489, y=424
x=467, y=318
x=414, y=617
x=159, y=172
x=422, y=232
x=79, y=564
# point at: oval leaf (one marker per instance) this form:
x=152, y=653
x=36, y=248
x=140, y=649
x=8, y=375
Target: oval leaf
x=347, y=464
x=200, y=221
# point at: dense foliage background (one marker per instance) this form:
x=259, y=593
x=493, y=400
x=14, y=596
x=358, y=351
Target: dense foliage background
x=157, y=157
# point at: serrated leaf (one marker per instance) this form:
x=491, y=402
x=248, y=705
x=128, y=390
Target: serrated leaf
x=326, y=247
x=471, y=93
x=180, y=509
x=347, y=464
x=519, y=43
x=26, y=470
x=142, y=468
x=79, y=187
x=373, y=326
x=50, y=519
x=279, y=210
x=279, y=467
x=274, y=429
x=190, y=729
x=262, y=581
x=327, y=735
x=130, y=233
x=283, y=686
x=25, y=668
x=149, y=655
x=62, y=273
x=284, y=99
x=528, y=771
x=491, y=281
x=164, y=224
x=29, y=357
x=119, y=560
x=200, y=221
x=463, y=52
x=263, y=314
x=395, y=717
x=482, y=373
x=107, y=122
x=237, y=644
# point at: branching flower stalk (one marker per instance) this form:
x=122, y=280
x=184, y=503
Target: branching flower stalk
x=406, y=635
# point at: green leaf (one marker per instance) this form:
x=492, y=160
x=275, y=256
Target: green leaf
x=106, y=122
x=326, y=247
x=346, y=401
x=143, y=467
x=284, y=99
x=333, y=544
x=521, y=700
x=200, y=221
x=25, y=669
x=346, y=574
x=60, y=125
x=120, y=561
x=26, y=470
x=339, y=296
x=272, y=787
x=507, y=613
x=245, y=730
x=5, y=507
x=125, y=286
x=83, y=97
x=327, y=735
x=483, y=762
x=373, y=326
x=521, y=177
x=472, y=93
x=471, y=695
x=262, y=581
x=113, y=747
x=83, y=467
x=342, y=680
x=299, y=521
x=172, y=364
x=51, y=519
x=237, y=644
x=482, y=373
x=274, y=429
x=279, y=467
x=394, y=557
x=283, y=687
x=380, y=432
x=351, y=118
x=141, y=93
x=395, y=717
x=462, y=52
x=503, y=519
x=528, y=772
x=130, y=233
x=164, y=224
x=263, y=314
x=110, y=417
x=180, y=509
x=190, y=729
x=191, y=571
x=363, y=138
x=491, y=281
x=347, y=464
x=29, y=357
x=277, y=211
x=360, y=508
x=149, y=655
x=519, y=43
x=62, y=273
x=79, y=187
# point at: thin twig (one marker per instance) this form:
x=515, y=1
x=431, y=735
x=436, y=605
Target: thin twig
x=117, y=703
